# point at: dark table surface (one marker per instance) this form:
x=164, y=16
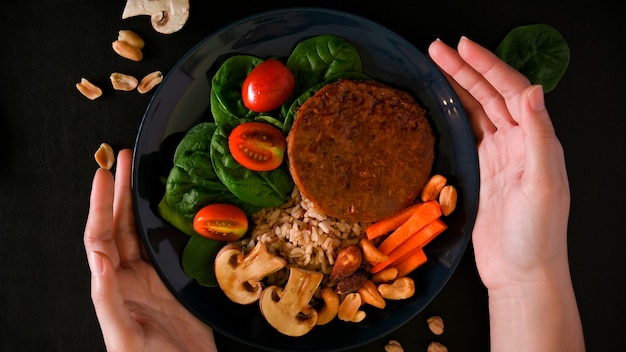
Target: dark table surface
x=49, y=133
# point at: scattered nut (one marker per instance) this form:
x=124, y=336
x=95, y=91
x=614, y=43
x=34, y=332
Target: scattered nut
x=393, y=346
x=130, y=37
x=370, y=295
x=123, y=82
x=126, y=50
x=88, y=89
x=104, y=156
x=437, y=347
x=349, y=307
x=433, y=187
x=435, y=324
x=348, y=260
x=386, y=275
x=447, y=199
x=150, y=81
x=372, y=254
x=401, y=288
x=329, y=310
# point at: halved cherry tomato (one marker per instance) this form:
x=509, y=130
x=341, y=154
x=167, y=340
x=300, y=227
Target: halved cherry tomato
x=221, y=221
x=257, y=146
x=267, y=86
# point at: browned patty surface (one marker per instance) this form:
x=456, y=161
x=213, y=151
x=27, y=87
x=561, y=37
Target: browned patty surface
x=360, y=150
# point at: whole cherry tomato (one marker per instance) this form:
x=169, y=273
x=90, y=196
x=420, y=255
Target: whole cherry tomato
x=221, y=221
x=267, y=86
x=257, y=146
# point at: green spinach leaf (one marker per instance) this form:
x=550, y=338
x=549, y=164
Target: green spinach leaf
x=198, y=258
x=538, y=51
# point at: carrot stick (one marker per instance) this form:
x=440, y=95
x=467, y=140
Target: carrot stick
x=418, y=240
x=423, y=215
x=410, y=262
x=390, y=223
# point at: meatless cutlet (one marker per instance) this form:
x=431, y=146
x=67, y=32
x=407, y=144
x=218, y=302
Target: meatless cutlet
x=360, y=150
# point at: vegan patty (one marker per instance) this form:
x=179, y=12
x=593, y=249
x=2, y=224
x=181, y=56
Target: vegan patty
x=360, y=150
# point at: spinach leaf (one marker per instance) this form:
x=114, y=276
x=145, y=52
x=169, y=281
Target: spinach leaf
x=538, y=51
x=316, y=59
x=262, y=189
x=198, y=258
x=226, y=104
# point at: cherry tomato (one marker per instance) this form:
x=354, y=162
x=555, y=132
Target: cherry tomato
x=267, y=86
x=257, y=146
x=221, y=221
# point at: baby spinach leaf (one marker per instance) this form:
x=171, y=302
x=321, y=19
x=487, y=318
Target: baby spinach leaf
x=198, y=258
x=538, y=51
x=262, y=189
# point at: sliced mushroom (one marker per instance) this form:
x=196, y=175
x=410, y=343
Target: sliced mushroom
x=167, y=16
x=288, y=309
x=239, y=276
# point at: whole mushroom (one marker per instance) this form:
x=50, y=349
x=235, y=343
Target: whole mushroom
x=288, y=309
x=167, y=16
x=239, y=276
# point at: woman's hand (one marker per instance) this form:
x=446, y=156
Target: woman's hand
x=135, y=310
x=520, y=233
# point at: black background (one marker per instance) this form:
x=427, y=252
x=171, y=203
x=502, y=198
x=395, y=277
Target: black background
x=49, y=132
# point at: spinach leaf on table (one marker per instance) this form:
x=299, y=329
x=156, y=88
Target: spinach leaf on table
x=538, y=51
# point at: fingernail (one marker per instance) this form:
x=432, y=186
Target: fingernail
x=96, y=264
x=535, y=98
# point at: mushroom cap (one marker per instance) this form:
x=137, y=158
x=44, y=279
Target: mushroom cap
x=167, y=16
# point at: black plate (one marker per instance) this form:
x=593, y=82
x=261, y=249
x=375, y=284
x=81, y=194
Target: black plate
x=182, y=100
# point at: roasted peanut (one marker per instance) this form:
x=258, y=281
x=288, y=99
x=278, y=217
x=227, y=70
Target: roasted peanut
x=329, y=310
x=371, y=253
x=437, y=347
x=388, y=274
x=370, y=295
x=393, y=346
x=125, y=50
x=435, y=324
x=401, y=288
x=347, y=262
x=104, y=156
x=432, y=187
x=150, y=81
x=123, y=82
x=349, y=307
x=130, y=37
x=447, y=199
x=88, y=89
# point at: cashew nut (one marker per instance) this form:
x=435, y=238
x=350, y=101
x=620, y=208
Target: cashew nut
x=388, y=274
x=372, y=254
x=329, y=310
x=433, y=187
x=401, y=288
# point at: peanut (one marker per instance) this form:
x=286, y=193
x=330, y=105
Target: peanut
x=150, y=81
x=88, y=89
x=401, y=288
x=329, y=310
x=349, y=307
x=130, y=37
x=432, y=187
x=123, y=82
x=393, y=346
x=370, y=295
x=447, y=199
x=437, y=347
x=126, y=50
x=386, y=275
x=435, y=324
x=104, y=156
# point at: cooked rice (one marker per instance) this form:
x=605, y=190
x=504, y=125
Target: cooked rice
x=302, y=235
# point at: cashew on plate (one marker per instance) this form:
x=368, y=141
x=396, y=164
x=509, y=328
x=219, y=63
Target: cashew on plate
x=167, y=16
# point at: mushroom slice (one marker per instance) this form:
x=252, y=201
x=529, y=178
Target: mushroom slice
x=167, y=16
x=288, y=309
x=239, y=276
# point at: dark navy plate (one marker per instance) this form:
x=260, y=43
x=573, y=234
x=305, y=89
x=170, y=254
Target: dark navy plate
x=182, y=100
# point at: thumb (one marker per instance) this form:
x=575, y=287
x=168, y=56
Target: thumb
x=118, y=328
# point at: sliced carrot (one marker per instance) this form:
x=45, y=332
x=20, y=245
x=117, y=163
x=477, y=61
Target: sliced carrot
x=423, y=215
x=410, y=262
x=391, y=223
x=418, y=240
